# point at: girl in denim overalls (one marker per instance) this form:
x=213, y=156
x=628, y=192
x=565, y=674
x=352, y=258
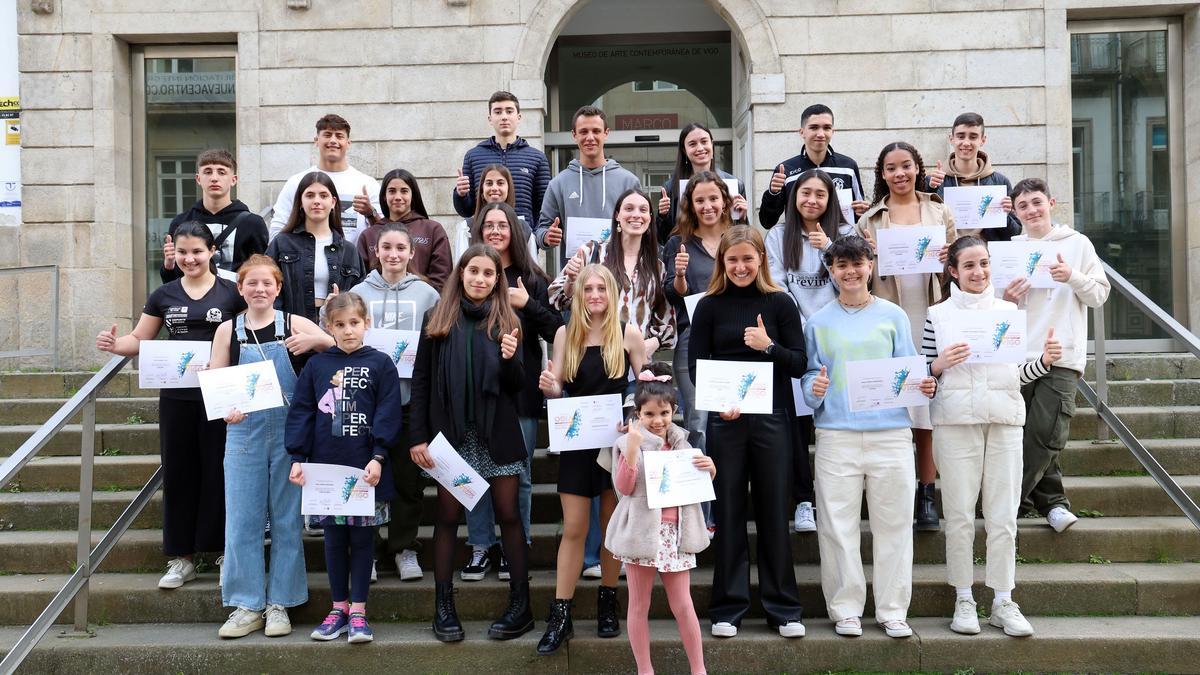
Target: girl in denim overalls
x=256, y=463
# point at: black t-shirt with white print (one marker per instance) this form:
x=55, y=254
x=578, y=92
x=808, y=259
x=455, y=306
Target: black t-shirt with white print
x=186, y=318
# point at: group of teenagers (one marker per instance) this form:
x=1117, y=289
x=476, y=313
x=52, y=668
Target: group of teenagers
x=344, y=254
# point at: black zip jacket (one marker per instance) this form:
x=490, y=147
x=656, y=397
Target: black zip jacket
x=295, y=253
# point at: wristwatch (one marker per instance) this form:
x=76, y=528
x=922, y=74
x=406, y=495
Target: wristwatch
x=382, y=459
x=770, y=348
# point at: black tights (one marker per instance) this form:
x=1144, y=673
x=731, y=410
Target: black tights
x=349, y=554
x=512, y=532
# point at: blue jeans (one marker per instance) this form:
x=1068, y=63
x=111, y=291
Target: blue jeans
x=481, y=522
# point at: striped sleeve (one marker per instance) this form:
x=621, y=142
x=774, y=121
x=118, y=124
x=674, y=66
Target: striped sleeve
x=1032, y=370
x=929, y=342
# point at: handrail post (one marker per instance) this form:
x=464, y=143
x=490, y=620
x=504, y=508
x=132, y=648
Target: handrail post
x=1101, y=364
x=83, y=551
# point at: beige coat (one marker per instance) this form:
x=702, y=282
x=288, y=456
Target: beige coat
x=933, y=212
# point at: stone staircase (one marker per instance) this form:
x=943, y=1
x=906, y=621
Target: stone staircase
x=1118, y=592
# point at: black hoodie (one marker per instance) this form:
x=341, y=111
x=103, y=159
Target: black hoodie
x=250, y=237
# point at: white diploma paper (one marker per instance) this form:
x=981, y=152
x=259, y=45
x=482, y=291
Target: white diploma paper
x=690, y=301
x=399, y=345
x=910, y=249
x=976, y=206
x=845, y=200
x=336, y=490
x=583, y=422
x=724, y=385
x=582, y=230
x=249, y=388
x=994, y=336
x=672, y=480
x=802, y=408
x=171, y=364
x=454, y=474
x=1029, y=259
x=886, y=383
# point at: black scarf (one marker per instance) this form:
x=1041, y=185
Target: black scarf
x=451, y=370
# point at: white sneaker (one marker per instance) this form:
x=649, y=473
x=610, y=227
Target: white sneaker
x=805, y=521
x=179, y=572
x=592, y=572
x=1060, y=518
x=220, y=563
x=278, y=623
x=1007, y=615
x=792, y=629
x=966, y=618
x=241, y=623
x=310, y=531
x=374, y=574
x=724, y=629
x=850, y=626
x=896, y=628
x=407, y=565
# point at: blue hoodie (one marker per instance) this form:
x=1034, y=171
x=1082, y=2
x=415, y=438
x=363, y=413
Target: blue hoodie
x=333, y=420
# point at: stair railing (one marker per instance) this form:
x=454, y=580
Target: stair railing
x=87, y=559
x=1106, y=418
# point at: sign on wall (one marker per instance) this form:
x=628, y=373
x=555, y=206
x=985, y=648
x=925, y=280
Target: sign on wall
x=202, y=87
x=10, y=117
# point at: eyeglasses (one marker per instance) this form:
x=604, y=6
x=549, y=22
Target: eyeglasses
x=495, y=227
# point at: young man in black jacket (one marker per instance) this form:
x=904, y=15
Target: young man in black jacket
x=240, y=233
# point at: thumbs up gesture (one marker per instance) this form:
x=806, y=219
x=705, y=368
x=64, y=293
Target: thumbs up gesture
x=168, y=253
x=820, y=383
x=362, y=204
x=508, y=344
x=1052, y=351
x=756, y=336
x=548, y=383
x=462, y=185
x=778, y=179
x=575, y=264
x=664, y=203
x=937, y=176
x=681, y=262
x=106, y=341
x=554, y=234
x=1060, y=271
x=333, y=292
x=518, y=297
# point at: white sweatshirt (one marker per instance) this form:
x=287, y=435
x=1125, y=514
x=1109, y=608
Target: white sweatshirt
x=349, y=183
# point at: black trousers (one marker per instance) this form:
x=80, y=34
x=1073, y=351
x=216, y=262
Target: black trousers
x=802, y=479
x=406, y=508
x=754, y=450
x=192, y=452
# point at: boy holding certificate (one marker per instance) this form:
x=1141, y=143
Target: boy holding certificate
x=1050, y=401
x=969, y=166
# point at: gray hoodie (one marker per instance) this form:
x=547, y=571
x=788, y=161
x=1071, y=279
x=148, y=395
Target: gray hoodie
x=401, y=307
x=578, y=192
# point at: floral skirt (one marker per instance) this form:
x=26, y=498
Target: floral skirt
x=669, y=558
x=476, y=455
x=383, y=513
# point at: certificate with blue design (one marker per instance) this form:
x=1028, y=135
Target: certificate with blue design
x=583, y=422
x=878, y=384
x=910, y=249
x=171, y=364
x=993, y=336
x=672, y=479
x=399, y=345
x=336, y=490
x=722, y=386
x=976, y=207
x=248, y=388
x=452, y=472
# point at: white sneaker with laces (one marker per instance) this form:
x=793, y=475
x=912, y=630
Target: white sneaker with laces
x=241, y=623
x=724, y=629
x=407, y=565
x=850, y=626
x=966, y=618
x=278, y=622
x=792, y=629
x=1007, y=615
x=220, y=563
x=592, y=572
x=374, y=574
x=805, y=521
x=896, y=628
x=1060, y=519
x=179, y=572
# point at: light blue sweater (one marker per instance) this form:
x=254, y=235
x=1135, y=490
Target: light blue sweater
x=832, y=337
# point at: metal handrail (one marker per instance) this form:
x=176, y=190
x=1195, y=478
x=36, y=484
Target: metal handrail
x=87, y=559
x=1106, y=418
x=52, y=351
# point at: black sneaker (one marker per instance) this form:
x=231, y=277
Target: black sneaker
x=477, y=567
x=502, y=568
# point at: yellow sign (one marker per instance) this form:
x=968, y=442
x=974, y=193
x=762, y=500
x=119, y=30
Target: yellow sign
x=10, y=103
x=12, y=132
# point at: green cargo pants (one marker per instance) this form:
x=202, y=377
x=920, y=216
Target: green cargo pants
x=1049, y=407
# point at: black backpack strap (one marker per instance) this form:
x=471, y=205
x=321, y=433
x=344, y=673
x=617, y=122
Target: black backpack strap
x=233, y=226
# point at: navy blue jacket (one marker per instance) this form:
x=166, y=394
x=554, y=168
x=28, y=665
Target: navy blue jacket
x=530, y=173
x=345, y=410
x=842, y=169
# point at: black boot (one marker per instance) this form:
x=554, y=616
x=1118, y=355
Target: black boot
x=607, y=624
x=446, y=626
x=558, y=628
x=927, y=517
x=518, y=618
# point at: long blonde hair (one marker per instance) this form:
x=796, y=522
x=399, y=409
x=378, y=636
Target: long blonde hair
x=741, y=234
x=612, y=345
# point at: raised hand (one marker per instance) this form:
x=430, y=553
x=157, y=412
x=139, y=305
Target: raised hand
x=1052, y=351
x=168, y=253
x=818, y=240
x=860, y=207
x=571, y=270
x=508, y=344
x=1060, y=271
x=952, y=356
x=705, y=463
x=547, y=382
x=106, y=341
x=820, y=383
x=554, y=235
x=362, y=204
x=332, y=292
x=778, y=179
x=1017, y=289
x=462, y=184
x=681, y=262
x=518, y=297
x=937, y=176
x=664, y=204
x=756, y=336
x=870, y=240
x=1006, y=204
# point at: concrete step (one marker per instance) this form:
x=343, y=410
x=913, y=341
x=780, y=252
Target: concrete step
x=1179, y=456
x=1145, y=422
x=1062, y=644
x=131, y=410
x=1064, y=590
x=1150, y=393
x=120, y=438
x=1147, y=367
x=66, y=384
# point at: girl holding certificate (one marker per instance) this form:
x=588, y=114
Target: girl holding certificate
x=696, y=154
x=898, y=203
x=192, y=448
x=746, y=317
x=465, y=385
x=256, y=463
x=593, y=355
x=649, y=539
x=978, y=420
x=859, y=450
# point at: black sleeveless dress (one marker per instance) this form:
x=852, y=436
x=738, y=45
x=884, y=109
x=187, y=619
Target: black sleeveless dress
x=578, y=472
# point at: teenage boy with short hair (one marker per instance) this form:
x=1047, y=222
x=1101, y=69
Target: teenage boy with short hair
x=969, y=166
x=240, y=233
x=588, y=187
x=1050, y=400
x=816, y=128
x=528, y=165
x=357, y=192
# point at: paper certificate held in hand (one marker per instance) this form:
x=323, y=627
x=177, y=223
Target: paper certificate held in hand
x=976, y=206
x=583, y=422
x=802, y=408
x=582, y=230
x=454, y=474
x=171, y=364
x=886, y=383
x=724, y=385
x=846, y=200
x=994, y=336
x=690, y=302
x=399, y=345
x=910, y=249
x=1029, y=259
x=249, y=388
x=672, y=479
x=336, y=490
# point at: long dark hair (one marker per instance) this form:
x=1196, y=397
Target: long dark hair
x=649, y=266
x=686, y=222
x=952, y=253
x=416, y=203
x=446, y=314
x=197, y=229
x=881, y=186
x=297, y=218
x=683, y=165
x=518, y=240
x=793, y=223
x=511, y=200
